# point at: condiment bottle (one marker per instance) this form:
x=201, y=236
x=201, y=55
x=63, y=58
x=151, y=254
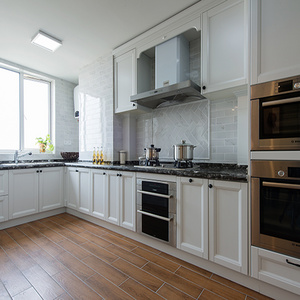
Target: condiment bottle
x=98, y=157
x=94, y=156
x=101, y=155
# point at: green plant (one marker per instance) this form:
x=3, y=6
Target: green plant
x=46, y=143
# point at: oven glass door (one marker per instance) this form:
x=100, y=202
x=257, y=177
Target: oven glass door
x=280, y=119
x=280, y=209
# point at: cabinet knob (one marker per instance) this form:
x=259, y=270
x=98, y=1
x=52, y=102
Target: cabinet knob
x=76, y=171
x=190, y=180
x=120, y=175
x=133, y=104
x=204, y=87
x=41, y=171
x=37, y=171
x=104, y=173
x=210, y=185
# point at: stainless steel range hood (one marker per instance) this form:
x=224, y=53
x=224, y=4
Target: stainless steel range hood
x=178, y=93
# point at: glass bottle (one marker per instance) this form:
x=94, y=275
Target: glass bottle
x=94, y=156
x=98, y=157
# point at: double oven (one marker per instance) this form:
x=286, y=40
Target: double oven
x=156, y=210
x=275, y=183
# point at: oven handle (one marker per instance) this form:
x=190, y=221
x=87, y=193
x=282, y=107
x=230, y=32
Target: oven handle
x=154, y=216
x=284, y=101
x=155, y=194
x=281, y=185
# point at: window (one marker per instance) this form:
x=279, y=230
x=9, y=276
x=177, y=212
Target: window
x=24, y=110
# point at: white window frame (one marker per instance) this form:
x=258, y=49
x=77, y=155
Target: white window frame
x=35, y=76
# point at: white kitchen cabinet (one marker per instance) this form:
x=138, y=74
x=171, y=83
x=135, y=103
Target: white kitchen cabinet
x=228, y=223
x=3, y=195
x=192, y=215
x=277, y=269
x=120, y=201
x=113, y=197
x=50, y=188
x=23, y=192
x=98, y=193
x=274, y=39
x=224, y=46
x=127, y=200
x=125, y=67
x=3, y=182
x=3, y=208
x=78, y=189
x=34, y=190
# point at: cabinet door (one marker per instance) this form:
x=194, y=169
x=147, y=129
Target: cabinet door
x=3, y=208
x=73, y=188
x=84, y=191
x=127, y=200
x=3, y=182
x=192, y=216
x=50, y=188
x=125, y=81
x=23, y=192
x=275, y=39
x=98, y=193
x=228, y=238
x=113, y=195
x=224, y=51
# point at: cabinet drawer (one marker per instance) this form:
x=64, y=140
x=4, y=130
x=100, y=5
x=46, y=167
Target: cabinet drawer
x=276, y=269
x=3, y=182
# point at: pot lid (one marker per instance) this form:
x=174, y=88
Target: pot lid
x=183, y=143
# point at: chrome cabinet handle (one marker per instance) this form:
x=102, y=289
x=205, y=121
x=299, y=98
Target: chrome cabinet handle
x=154, y=194
x=282, y=185
x=278, y=102
x=154, y=216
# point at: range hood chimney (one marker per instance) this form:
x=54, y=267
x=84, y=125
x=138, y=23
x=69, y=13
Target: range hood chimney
x=172, y=83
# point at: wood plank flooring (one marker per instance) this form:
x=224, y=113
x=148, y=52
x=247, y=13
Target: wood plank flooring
x=65, y=257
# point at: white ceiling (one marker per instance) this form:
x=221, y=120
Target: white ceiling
x=88, y=29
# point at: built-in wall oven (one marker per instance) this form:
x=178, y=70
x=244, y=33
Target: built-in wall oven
x=156, y=209
x=275, y=188
x=275, y=115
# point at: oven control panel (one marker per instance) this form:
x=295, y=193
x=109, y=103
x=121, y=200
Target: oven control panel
x=275, y=169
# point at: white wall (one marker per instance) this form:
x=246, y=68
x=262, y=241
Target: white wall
x=98, y=124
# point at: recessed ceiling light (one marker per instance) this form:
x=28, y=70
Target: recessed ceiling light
x=46, y=41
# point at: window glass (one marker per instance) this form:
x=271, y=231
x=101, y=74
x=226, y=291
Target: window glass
x=9, y=110
x=36, y=115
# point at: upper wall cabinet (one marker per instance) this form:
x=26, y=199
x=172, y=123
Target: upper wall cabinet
x=275, y=39
x=224, y=46
x=125, y=81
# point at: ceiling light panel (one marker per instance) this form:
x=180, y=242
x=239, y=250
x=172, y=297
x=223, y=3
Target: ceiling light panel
x=46, y=41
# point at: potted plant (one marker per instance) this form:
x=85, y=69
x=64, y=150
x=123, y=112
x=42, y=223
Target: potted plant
x=45, y=144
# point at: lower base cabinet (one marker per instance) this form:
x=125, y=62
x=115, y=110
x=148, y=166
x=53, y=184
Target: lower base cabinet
x=51, y=185
x=113, y=197
x=228, y=224
x=212, y=221
x=78, y=197
x=34, y=190
x=277, y=269
x=3, y=208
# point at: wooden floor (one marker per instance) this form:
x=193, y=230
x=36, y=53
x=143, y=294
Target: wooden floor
x=64, y=257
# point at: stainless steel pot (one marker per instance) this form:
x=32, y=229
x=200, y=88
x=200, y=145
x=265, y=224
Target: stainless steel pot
x=183, y=151
x=152, y=153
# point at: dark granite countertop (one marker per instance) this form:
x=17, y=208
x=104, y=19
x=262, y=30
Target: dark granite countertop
x=228, y=172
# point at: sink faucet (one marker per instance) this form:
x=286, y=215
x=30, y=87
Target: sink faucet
x=17, y=155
